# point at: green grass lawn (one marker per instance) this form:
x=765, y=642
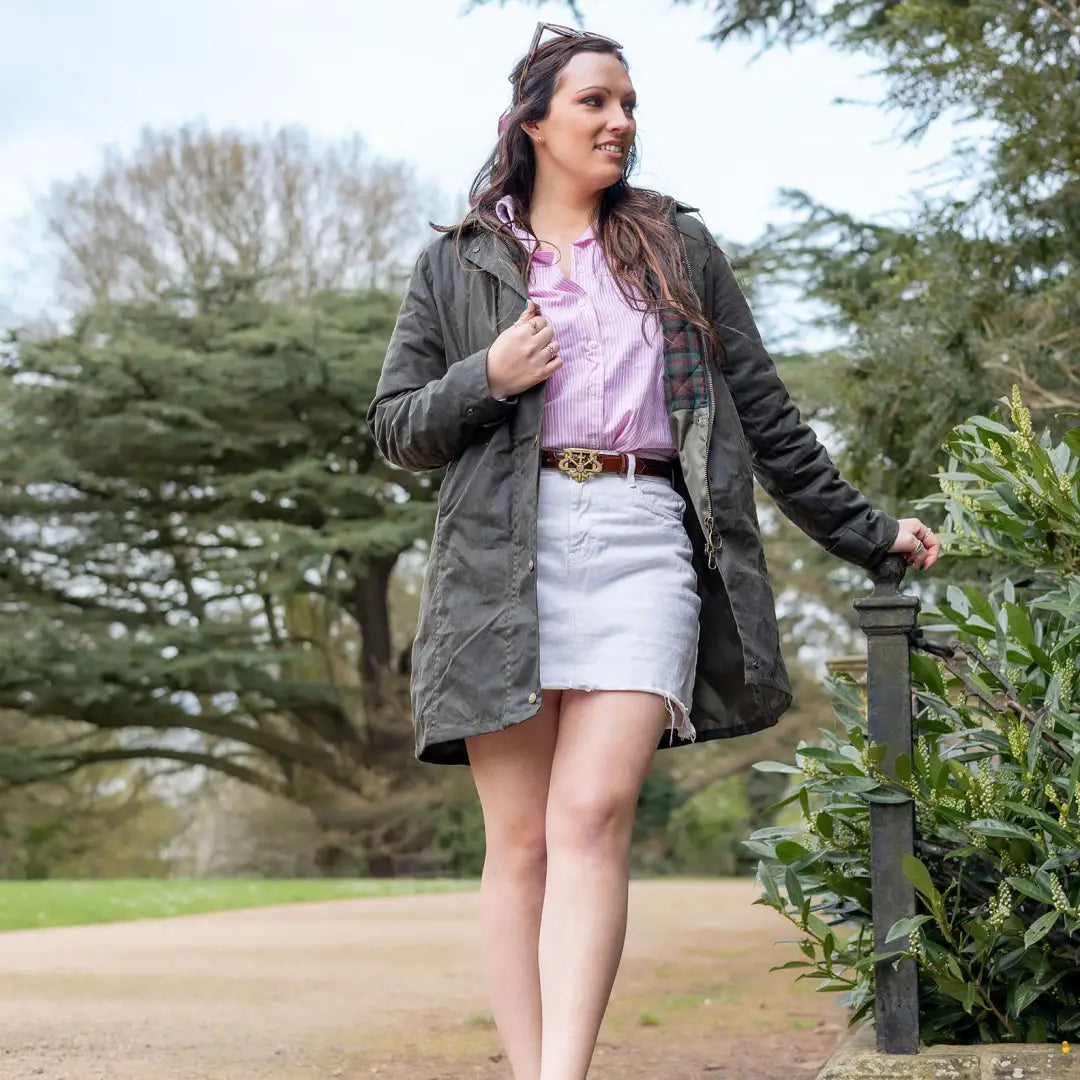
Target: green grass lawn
x=27, y=905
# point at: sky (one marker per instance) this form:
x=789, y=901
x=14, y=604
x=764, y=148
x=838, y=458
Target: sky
x=421, y=81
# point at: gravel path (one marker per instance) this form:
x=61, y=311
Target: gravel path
x=392, y=988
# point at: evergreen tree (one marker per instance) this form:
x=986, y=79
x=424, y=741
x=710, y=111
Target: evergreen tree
x=197, y=539
x=975, y=292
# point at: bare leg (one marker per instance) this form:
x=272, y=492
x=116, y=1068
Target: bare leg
x=606, y=742
x=512, y=771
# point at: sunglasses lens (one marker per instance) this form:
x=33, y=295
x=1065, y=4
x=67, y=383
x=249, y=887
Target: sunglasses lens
x=556, y=30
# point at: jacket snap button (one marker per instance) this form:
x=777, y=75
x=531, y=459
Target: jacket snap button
x=532, y=564
x=532, y=699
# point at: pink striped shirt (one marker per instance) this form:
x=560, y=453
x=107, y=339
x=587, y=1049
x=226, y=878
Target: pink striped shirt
x=609, y=392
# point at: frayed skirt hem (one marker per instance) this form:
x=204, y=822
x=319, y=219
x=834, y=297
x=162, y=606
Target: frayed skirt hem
x=678, y=713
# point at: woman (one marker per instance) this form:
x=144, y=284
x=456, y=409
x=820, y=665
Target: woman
x=596, y=588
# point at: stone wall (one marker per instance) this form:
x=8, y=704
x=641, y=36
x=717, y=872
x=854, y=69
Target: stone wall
x=857, y=1059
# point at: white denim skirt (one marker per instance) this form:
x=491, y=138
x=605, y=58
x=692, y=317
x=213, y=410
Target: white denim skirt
x=616, y=590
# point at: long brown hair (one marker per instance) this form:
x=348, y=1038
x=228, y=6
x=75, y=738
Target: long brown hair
x=633, y=226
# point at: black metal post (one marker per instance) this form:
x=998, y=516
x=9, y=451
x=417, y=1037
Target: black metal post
x=887, y=617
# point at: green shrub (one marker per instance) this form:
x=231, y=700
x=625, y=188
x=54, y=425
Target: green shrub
x=703, y=834
x=458, y=827
x=993, y=776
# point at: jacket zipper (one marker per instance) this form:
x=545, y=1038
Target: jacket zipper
x=713, y=543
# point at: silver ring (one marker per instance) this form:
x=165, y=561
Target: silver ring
x=550, y=346
x=919, y=547
x=535, y=329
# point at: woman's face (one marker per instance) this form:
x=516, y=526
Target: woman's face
x=590, y=126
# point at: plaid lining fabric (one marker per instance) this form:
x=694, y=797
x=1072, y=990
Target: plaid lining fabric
x=684, y=364
x=685, y=385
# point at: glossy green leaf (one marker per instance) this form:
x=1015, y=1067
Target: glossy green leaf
x=756, y=847
x=776, y=767
x=980, y=605
x=924, y=670
x=881, y=957
x=1040, y=928
x=823, y=753
x=1034, y=745
x=768, y=883
x=886, y=796
x=1008, y=497
x=1020, y=624
x=915, y=871
x=950, y=986
x=788, y=851
x=1025, y=994
x=794, y=887
x=1069, y=858
x=993, y=827
x=1030, y=888
x=1036, y=1031
x=984, y=423
x=1050, y=825
x=958, y=601
x=903, y=927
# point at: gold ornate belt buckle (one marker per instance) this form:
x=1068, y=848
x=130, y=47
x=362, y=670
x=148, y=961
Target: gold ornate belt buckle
x=580, y=464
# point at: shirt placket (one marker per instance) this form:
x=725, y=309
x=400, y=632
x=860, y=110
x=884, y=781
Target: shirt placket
x=584, y=272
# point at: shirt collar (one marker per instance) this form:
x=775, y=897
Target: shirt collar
x=506, y=211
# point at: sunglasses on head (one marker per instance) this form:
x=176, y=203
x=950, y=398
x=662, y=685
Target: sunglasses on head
x=560, y=31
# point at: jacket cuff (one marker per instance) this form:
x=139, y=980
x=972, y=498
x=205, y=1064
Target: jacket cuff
x=468, y=384
x=867, y=541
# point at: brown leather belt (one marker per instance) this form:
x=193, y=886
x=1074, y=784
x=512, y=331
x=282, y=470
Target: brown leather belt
x=579, y=464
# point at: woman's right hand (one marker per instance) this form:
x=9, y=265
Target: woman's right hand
x=522, y=355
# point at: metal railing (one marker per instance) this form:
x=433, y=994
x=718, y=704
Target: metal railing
x=888, y=618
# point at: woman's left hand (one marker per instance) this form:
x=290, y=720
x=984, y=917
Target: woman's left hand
x=916, y=543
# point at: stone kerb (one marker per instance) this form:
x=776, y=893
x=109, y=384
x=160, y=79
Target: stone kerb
x=857, y=1059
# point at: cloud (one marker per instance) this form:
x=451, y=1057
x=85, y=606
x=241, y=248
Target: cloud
x=420, y=81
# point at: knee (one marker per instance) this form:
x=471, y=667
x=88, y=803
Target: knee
x=592, y=824
x=518, y=853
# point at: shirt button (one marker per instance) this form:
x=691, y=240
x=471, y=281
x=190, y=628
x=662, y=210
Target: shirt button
x=532, y=699
x=592, y=344
x=582, y=302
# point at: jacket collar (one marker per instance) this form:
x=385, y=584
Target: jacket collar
x=486, y=252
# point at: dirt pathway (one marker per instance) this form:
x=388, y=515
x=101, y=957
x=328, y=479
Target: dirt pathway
x=391, y=989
